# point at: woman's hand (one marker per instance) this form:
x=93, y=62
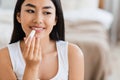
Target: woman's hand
x=32, y=51
x=32, y=56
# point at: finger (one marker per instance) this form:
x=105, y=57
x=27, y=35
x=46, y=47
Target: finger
x=39, y=55
x=37, y=46
x=27, y=46
x=31, y=50
x=26, y=39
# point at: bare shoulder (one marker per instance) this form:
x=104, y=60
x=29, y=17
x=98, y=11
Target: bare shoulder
x=75, y=54
x=4, y=57
x=3, y=53
x=5, y=65
x=76, y=62
x=73, y=49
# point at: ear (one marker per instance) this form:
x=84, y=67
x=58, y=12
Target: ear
x=18, y=17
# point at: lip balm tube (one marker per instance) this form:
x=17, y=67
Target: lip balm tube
x=31, y=35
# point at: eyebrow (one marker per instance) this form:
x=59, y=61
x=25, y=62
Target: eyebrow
x=45, y=7
x=30, y=5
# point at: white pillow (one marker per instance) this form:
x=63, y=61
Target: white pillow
x=91, y=4
x=79, y=4
x=97, y=15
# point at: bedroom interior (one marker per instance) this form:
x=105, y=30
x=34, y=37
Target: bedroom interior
x=88, y=24
x=88, y=27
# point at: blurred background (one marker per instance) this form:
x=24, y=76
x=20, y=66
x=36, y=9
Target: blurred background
x=94, y=25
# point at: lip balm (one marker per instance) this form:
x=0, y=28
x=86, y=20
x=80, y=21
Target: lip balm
x=31, y=35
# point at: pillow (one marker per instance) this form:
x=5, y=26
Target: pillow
x=97, y=15
x=68, y=5
x=90, y=4
x=79, y=4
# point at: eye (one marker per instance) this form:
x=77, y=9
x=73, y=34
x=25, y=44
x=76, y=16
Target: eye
x=30, y=11
x=47, y=13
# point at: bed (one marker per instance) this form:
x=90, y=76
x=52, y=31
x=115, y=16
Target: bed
x=94, y=42
x=89, y=29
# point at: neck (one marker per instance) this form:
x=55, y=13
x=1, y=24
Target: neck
x=47, y=45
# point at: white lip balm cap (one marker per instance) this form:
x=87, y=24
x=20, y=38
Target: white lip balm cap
x=32, y=33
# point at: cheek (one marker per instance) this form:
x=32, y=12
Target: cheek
x=25, y=21
x=52, y=21
x=24, y=18
x=50, y=24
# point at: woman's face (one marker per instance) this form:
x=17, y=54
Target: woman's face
x=38, y=15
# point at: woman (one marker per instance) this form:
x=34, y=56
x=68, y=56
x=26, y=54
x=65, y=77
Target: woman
x=45, y=56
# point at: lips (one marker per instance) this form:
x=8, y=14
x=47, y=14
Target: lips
x=37, y=28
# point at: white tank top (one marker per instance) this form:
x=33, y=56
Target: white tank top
x=18, y=62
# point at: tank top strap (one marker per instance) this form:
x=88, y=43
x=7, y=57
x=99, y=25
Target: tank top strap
x=17, y=59
x=13, y=55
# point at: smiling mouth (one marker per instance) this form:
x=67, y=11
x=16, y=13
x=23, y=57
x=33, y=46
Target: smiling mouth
x=38, y=29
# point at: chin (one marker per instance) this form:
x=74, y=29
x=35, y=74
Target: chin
x=39, y=36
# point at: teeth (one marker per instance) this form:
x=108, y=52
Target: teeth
x=38, y=28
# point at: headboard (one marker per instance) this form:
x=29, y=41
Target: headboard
x=101, y=4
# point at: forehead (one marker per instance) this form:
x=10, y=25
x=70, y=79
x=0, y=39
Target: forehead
x=39, y=3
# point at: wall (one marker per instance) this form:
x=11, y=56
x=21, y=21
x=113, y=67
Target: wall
x=7, y=4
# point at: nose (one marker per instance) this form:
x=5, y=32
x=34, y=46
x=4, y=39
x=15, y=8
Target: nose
x=38, y=19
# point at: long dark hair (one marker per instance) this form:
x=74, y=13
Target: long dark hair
x=58, y=32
